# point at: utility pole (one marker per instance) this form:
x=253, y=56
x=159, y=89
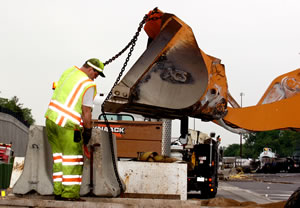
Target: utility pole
x=241, y=136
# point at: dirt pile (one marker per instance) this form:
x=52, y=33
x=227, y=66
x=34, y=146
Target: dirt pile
x=223, y=202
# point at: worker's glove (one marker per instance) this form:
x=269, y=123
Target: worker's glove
x=87, y=133
x=77, y=136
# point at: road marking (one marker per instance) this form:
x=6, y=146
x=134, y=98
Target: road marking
x=277, y=197
x=243, y=194
x=281, y=194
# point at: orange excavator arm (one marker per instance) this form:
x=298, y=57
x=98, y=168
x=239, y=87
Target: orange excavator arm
x=277, y=109
x=174, y=78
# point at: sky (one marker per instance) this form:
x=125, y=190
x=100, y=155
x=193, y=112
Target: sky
x=257, y=40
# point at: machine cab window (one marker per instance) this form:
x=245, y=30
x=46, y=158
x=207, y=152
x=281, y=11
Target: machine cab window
x=117, y=117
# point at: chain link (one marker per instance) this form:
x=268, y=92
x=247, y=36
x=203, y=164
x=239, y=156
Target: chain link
x=132, y=44
x=134, y=39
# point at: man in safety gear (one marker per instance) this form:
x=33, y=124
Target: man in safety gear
x=69, y=126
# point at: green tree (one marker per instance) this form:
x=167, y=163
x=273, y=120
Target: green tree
x=13, y=105
x=232, y=150
x=283, y=142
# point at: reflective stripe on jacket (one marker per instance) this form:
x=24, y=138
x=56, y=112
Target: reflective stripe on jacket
x=65, y=106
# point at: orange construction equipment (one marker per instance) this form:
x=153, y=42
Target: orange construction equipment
x=174, y=78
x=277, y=109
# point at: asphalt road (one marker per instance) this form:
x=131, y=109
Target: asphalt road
x=260, y=188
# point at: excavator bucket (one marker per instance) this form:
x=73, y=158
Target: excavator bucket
x=172, y=78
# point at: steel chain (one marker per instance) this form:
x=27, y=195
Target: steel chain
x=132, y=43
x=133, y=40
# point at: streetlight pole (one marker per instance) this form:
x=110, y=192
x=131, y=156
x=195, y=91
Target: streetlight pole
x=194, y=123
x=241, y=136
